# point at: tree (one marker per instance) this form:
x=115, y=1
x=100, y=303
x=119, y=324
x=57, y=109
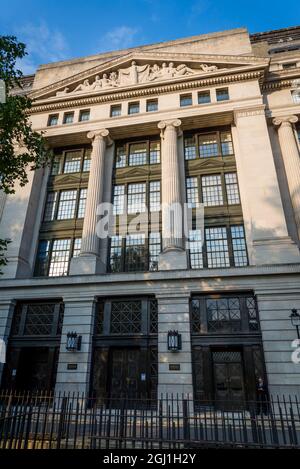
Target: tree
x=15, y=127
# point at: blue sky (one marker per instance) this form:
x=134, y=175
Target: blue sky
x=67, y=29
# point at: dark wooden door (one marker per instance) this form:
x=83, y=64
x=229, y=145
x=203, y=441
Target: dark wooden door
x=228, y=379
x=34, y=370
x=124, y=372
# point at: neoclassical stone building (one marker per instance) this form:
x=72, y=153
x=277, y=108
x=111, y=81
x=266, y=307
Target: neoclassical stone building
x=209, y=121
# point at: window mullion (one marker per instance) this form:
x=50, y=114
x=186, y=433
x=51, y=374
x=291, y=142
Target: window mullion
x=230, y=247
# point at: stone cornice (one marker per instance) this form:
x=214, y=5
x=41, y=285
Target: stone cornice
x=277, y=84
x=146, y=91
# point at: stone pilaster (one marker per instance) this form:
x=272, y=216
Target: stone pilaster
x=88, y=261
x=291, y=159
x=267, y=235
x=173, y=255
x=173, y=314
x=78, y=317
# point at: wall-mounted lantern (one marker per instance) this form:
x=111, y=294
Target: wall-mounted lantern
x=174, y=341
x=73, y=342
x=295, y=320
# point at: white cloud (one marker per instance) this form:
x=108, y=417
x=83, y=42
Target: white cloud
x=42, y=44
x=120, y=37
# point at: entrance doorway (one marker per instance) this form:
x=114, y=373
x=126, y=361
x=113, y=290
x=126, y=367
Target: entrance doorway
x=124, y=372
x=228, y=378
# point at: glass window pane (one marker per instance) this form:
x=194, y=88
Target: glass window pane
x=190, y=148
x=68, y=118
x=223, y=315
x=76, y=247
x=195, y=247
x=82, y=203
x=154, y=250
x=226, y=143
x=56, y=165
x=118, y=201
x=126, y=317
x=192, y=194
x=115, y=253
x=115, y=111
x=154, y=196
x=84, y=116
x=154, y=152
x=136, y=198
x=87, y=160
x=73, y=162
x=204, y=97
x=208, y=145
x=60, y=256
x=239, y=246
x=137, y=154
x=217, y=247
x=50, y=206
x=135, y=252
x=232, y=190
x=186, y=100
x=222, y=94
x=212, y=190
x=53, y=120
x=133, y=108
x=42, y=260
x=66, y=205
x=121, y=156
x=152, y=105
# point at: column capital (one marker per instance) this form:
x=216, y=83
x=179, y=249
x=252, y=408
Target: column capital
x=285, y=120
x=170, y=123
x=101, y=134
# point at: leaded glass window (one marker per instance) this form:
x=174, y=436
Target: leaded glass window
x=82, y=203
x=66, y=205
x=135, y=252
x=195, y=248
x=252, y=313
x=154, y=250
x=208, y=145
x=126, y=317
x=121, y=156
x=60, y=257
x=154, y=152
x=232, y=190
x=49, y=213
x=192, y=192
x=154, y=196
x=190, y=152
x=99, y=319
x=119, y=199
x=239, y=246
x=136, y=198
x=196, y=316
x=226, y=143
x=212, y=190
x=137, y=154
x=76, y=247
x=217, y=247
x=153, y=316
x=223, y=315
x=115, y=253
x=73, y=162
x=39, y=319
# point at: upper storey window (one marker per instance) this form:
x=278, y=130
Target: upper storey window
x=72, y=161
x=84, y=115
x=152, y=105
x=115, y=110
x=52, y=120
x=186, y=100
x=68, y=118
x=137, y=154
x=208, y=145
x=204, y=97
x=134, y=108
x=298, y=133
x=222, y=94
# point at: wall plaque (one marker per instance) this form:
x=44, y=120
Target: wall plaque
x=72, y=366
x=174, y=366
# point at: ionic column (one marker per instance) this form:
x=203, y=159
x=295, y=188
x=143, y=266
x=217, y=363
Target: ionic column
x=172, y=207
x=291, y=159
x=90, y=240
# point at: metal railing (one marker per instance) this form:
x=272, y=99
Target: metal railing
x=46, y=420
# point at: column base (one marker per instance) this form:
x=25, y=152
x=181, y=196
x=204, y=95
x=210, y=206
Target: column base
x=275, y=251
x=87, y=265
x=173, y=259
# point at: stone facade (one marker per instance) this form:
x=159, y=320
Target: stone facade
x=233, y=94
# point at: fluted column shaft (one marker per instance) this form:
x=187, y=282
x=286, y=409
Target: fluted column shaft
x=90, y=240
x=172, y=210
x=291, y=159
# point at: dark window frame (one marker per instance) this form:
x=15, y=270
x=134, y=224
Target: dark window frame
x=217, y=133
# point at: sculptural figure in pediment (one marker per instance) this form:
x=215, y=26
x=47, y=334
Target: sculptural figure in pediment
x=134, y=74
x=85, y=86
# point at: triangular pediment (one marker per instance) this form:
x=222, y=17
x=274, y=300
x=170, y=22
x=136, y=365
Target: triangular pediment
x=144, y=69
